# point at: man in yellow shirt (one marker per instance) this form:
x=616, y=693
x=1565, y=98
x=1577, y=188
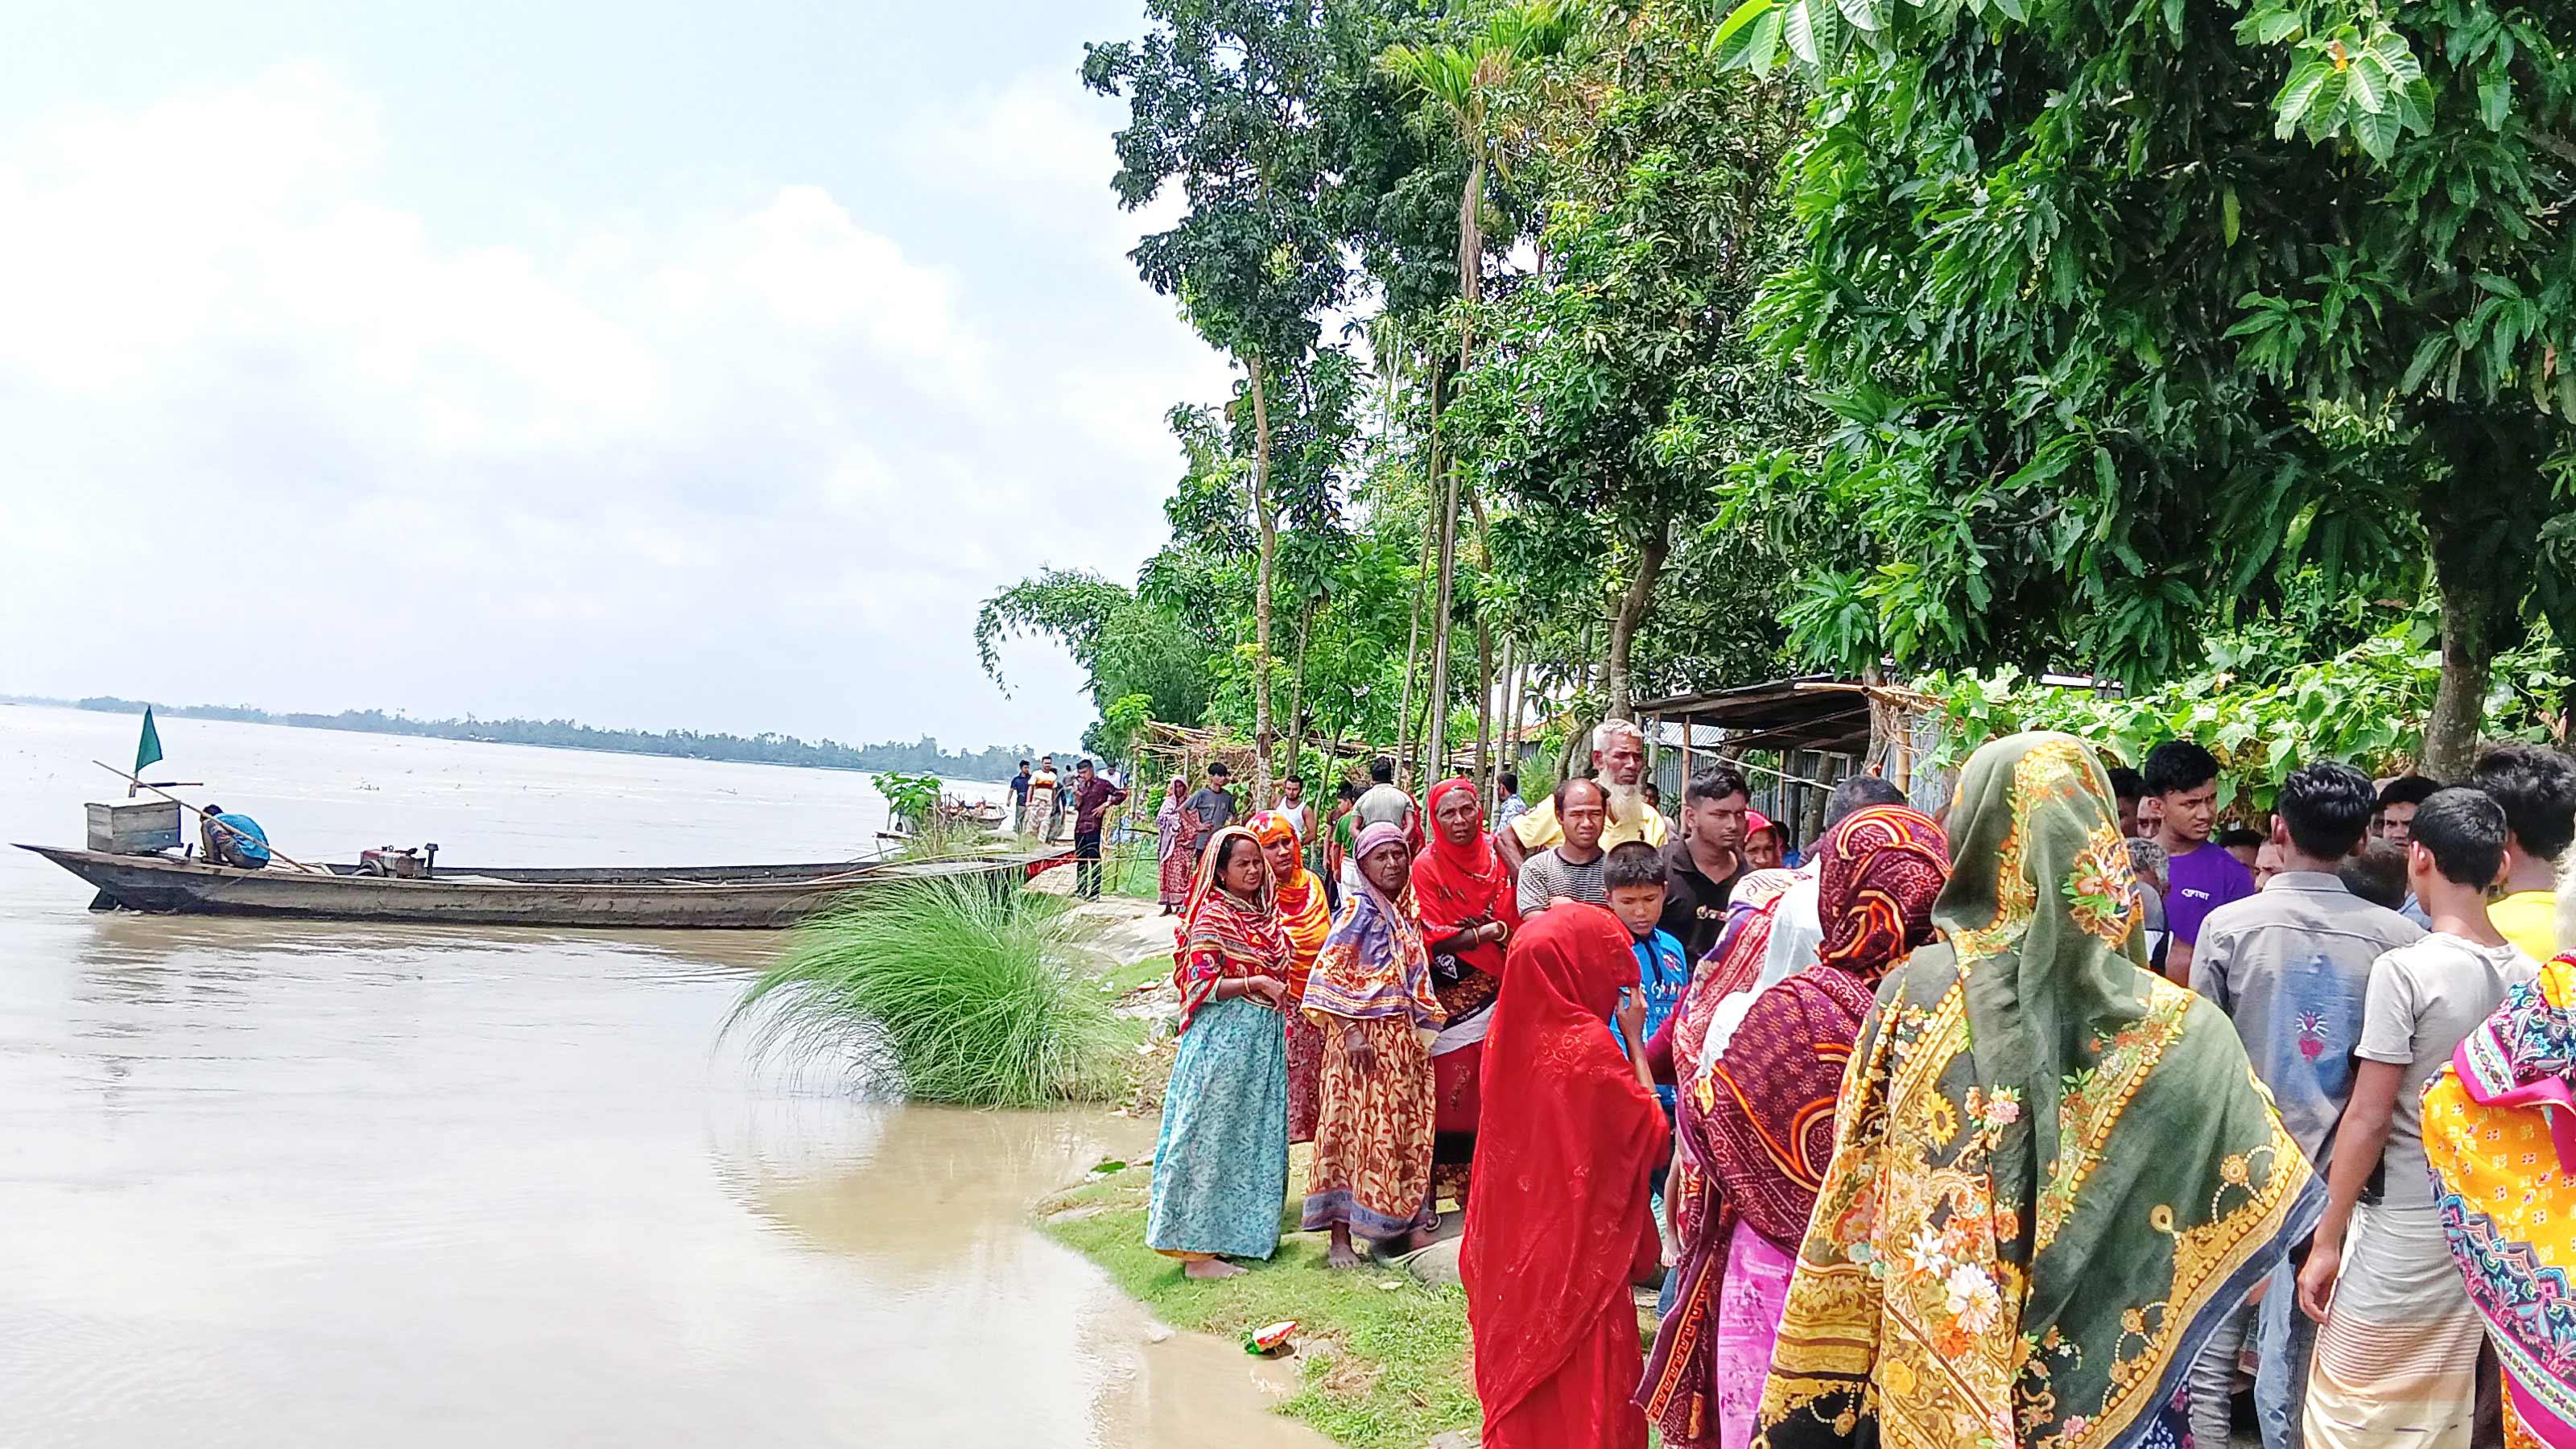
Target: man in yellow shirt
x=2536, y=785
x=1619, y=764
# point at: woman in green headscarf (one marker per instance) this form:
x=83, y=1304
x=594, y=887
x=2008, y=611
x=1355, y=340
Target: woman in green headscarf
x=2053, y=1172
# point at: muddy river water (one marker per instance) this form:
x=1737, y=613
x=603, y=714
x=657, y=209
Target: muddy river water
x=306, y=1184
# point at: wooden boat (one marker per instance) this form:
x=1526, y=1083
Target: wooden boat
x=692, y=897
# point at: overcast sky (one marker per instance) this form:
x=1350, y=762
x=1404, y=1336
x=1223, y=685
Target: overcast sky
x=654, y=364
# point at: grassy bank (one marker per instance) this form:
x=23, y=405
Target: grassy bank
x=1384, y=1357
x=948, y=990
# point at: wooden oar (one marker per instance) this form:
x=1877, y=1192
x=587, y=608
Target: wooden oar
x=132, y=779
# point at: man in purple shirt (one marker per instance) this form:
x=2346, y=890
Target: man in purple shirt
x=2201, y=876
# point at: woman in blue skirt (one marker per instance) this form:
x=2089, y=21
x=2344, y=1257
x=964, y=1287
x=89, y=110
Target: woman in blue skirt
x=1221, y=1164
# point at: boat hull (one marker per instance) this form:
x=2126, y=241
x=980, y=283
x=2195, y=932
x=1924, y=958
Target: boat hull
x=622, y=897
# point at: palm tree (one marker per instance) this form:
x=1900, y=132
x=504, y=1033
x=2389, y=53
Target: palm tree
x=1463, y=82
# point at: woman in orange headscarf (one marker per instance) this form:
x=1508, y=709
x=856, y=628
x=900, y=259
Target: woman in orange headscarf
x=1560, y=1224
x=1308, y=919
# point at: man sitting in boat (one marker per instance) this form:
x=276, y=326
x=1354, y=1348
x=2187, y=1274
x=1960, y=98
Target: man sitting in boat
x=233, y=839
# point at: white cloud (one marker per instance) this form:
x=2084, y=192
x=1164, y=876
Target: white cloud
x=742, y=469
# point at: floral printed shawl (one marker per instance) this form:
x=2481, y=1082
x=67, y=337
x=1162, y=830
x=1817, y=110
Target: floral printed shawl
x=1221, y=938
x=2053, y=1171
x=2500, y=1132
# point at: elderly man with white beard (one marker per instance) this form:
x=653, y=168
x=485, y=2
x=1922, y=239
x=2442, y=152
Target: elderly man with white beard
x=1619, y=767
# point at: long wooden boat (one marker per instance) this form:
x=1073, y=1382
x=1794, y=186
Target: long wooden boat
x=691, y=897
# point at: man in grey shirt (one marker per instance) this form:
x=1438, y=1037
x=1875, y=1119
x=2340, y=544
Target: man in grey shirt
x=2290, y=964
x=1572, y=869
x=2394, y=1311
x=1213, y=804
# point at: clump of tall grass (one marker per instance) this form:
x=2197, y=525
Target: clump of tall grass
x=962, y=994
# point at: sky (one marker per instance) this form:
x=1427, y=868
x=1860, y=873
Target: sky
x=649, y=364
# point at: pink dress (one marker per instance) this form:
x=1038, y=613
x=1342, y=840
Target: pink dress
x=1749, y=1304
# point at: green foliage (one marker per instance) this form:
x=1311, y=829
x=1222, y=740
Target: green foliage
x=955, y=993
x=1126, y=644
x=912, y=799
x=2262, y=715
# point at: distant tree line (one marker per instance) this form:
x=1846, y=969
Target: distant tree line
x=922, y=756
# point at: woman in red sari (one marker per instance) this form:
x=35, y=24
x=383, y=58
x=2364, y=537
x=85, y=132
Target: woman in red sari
x=1561, y=1223
x=1308, y=919
x=1463, y=893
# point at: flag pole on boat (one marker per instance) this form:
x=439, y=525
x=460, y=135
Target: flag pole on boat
x=216, y=821
x=147, y=753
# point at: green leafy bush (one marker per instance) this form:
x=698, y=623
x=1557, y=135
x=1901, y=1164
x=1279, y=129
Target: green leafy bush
x=961, y=995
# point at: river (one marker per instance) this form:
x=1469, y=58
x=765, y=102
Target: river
x=309, y=1184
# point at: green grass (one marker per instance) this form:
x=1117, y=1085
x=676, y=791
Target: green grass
x=1396, y=1371
x=962, y=996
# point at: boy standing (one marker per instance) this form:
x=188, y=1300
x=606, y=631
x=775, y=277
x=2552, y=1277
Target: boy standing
x=1633, y=872
x=2290, y=964
x=2182, y=778
x=2536, y=785
x=2397, y=1359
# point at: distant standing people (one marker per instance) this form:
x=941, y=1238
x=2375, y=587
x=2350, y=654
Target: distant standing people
x=2182, y=779
x=1306, y=917
x=2129, y=788
x=1654, y=795
x=1571, y=869
x=2290, y=965
x=1560, y=1222
x=1221, y=1160
x=1511, y=807
x=2397, y=1358
x=1299, y=812
x=1037, y=817
x=234, y=840
x=1380, y=804
x=1757, y=1129
x=2052, y=1168
x=1633, y=876
x=1019, y=788
x=1765, y=843
x=1619, y=767
x=1463, y=895
x=1213, y=804
x=2398, y=801
x=1337, y=833
x=1371, y=997
x=1092, y=797
x=1176, y=836
x=2536, y=785
x=1701, y=868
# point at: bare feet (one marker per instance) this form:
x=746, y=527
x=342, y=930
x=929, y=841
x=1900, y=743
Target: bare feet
x=1211, y=1268
x=1340, y=1254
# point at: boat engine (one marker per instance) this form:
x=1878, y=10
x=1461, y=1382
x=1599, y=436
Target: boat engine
x=399, y=862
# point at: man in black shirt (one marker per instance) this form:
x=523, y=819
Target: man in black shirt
x=1702, y=867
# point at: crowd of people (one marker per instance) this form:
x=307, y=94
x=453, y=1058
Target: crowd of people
x=2047, y=1119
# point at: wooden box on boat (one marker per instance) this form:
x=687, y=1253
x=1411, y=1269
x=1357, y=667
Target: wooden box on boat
x=134, y=827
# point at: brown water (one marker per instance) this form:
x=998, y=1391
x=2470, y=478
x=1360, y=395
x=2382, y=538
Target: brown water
x=289, y=1184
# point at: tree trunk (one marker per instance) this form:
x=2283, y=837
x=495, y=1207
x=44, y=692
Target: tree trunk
x=1633, y=605
x=1263, y=736
x=1412, y=656
x=1485, y=777
x=1297, y=690
x=2459, y=703
x=1436, y=729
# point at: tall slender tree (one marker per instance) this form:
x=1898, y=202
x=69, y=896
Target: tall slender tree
x=1224, y=98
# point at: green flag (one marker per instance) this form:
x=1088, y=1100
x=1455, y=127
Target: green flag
x=147, y=751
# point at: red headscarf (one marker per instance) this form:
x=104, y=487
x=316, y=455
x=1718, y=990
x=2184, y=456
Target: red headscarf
x=1452, y=883
x=1303, y=912
x=1220, y=937
x=1559, y=1217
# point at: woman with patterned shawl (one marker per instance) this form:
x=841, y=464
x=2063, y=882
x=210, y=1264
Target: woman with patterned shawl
x=2500, y=1132
x=1756, y=1127
x=1370, y=998
x=1175, y=841
x=1729, y=972
x=2053, y=1172
x=1463, y=894
x=1221, y=1163
x=1308, y=919
x=1561, y=1222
